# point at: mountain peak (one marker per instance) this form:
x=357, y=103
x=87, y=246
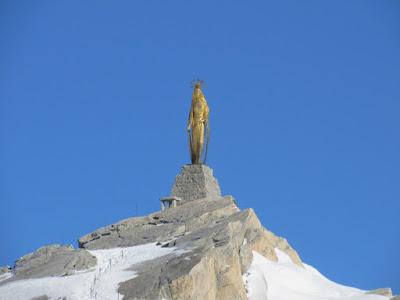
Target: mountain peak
x=204, y=248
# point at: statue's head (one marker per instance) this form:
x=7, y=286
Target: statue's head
x=197, y=92
x=196, y=84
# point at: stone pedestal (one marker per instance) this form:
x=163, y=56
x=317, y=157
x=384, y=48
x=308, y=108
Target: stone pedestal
x=196, y=182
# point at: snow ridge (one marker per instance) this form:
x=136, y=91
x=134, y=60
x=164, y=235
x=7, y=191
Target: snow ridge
x=283, y=280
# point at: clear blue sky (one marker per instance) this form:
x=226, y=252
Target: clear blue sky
x=304, y=98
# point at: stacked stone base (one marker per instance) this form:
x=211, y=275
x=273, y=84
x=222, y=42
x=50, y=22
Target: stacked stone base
x=196, y=182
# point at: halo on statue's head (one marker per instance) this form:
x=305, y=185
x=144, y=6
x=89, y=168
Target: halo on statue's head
x=197, y=83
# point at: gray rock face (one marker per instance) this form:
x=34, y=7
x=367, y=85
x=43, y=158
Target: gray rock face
x=218, y=237
x=160, y=226
x=213, y=267
x=196, y=182
x=52, y=260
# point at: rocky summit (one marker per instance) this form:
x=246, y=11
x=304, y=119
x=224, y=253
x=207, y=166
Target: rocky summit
x=204, y=248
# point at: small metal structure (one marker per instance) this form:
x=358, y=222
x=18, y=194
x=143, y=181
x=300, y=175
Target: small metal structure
x=169, y=202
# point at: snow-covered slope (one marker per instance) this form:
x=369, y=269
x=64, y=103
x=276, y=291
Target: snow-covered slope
x=100, y=282
x=265, y=279
x=284, y=280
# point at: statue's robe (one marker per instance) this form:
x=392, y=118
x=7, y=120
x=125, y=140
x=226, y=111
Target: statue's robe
x=198, y=118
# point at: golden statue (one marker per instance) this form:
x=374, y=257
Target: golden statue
x=198, y=125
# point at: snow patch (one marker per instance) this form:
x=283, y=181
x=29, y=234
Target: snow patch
x=98, y=283
x=283, y=280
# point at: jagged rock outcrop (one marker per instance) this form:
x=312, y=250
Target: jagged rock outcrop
x=218, y=237
x=159, y=226
x=52, y=260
